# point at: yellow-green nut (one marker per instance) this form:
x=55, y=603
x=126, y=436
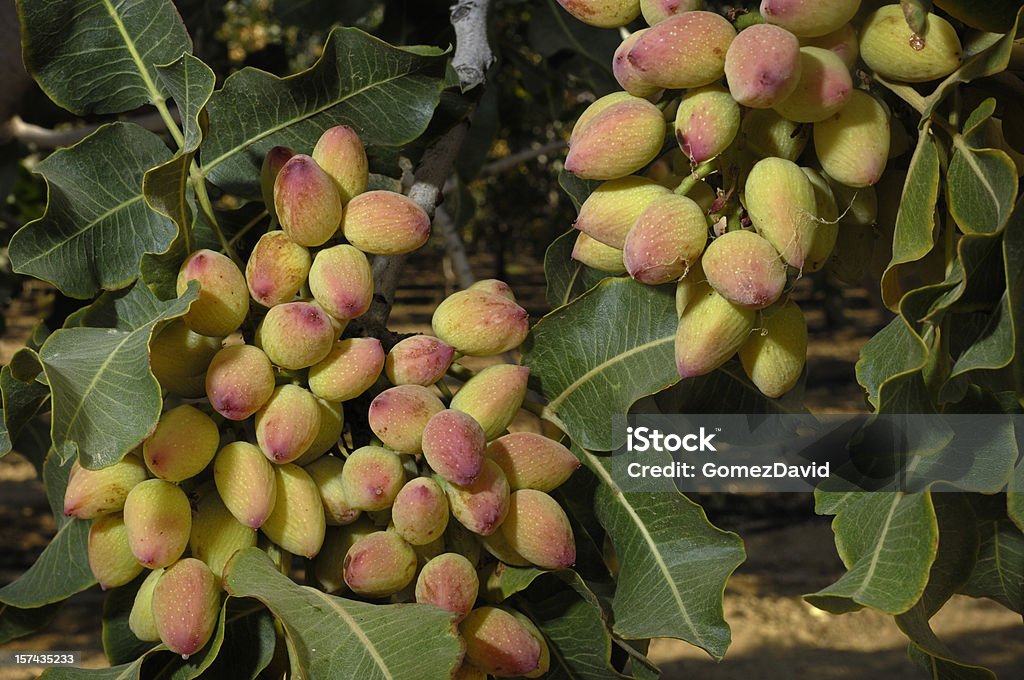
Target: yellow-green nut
x=532, y=461
x=349, y=369
x=109, y=552
x=186, y=606
x=245, y=482
x=239, y=381
x=493, y=397
x=371, y=478
x=480, y=324
x=494, y=287
x=853, y=144
x=499, y=644
x=497, y=546
x=745, y=269
x=809, y=18
x=781, y=204
x=216, y=533
x=610, y=211
x=693, y=284
x=763, y=65
x=276, y=269
x=824, y=237
x=272, y=164
x=481, y=506
x=307, y=202
x=223, y=301
x=774, y=357
x=627, y=75
x=659, y=10
x=892, y=50
x=683, y=51
x=710, y=331
x=453, y=446
x=597, y=255
x=91, y=493
x=418, y=360
x=326, y=471
x=341, y=281
x=448, y=581
x=341, y=155
x=767, y=134
x=178, y=358
x=287, y=424
x=707, y=121
x=140, y=619
x=158, y=520
x=843, y=41
x=385, y=223
x=538, y=529
x=297, y=334
x=297, y=523
x=379, y=565
x=329, y=564
x=666, y=239
x=823, y=89
x=398, y=415
x=332, y=420
x=420, y=512
x=621, y=138
x=603, y=13
x=182, y=445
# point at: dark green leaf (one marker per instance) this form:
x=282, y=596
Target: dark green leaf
x=567, y=279
x=981, y=187
x=249, y=641
x=499, y=581
x=59, y=572
x=127, y=671
x=22, y=402
x=553, y=31
x=16, y=622
x=895, y=352
x=999, y=573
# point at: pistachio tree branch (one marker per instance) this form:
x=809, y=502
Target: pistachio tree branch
x=455, y=248
x=473, y=54
x=46, y=138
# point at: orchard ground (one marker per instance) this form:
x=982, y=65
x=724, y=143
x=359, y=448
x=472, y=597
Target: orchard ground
x=775, y=634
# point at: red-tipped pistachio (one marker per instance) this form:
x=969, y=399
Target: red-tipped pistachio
x=611, y=210
x=385, y=223
x=379, y=565
x=622, y=137
x=498, y=643
x=91, y=493
x=239, y=381
x=823, y=89
x=372, y=478
x=781, y=203
x=276, y=269
x=448, y=581
x=297, y=334
x=418, y=360
x=245, y=482
x=453, y=445
x=493, y=397
x=158, y=519
x=341, y=281
x=481, y=506
x=110, y=556
x=478, y=323
x=307, y=202
x=683, y=51
x=538, y=529
x=710, y=331
x=182, y=445
x=809, y=18
x=532, y=461
x=667, y=238
x=707, y=121
x=398, y=415
x=341, y=155
x=223, y=300
x=745, y=269
x=420, y=511
x=186, y=606
x=287, y=424
x=349, y=369
x=603, y=13
x=763, y=65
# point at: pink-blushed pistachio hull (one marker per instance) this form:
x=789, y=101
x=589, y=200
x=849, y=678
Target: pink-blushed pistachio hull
x=610, y=211
x=287, y=424
x=494, y=287
x=329, y=565
x=890, y=48
x=774, y=358
x=823, y=89
x=272, y=164
x=216, y=533
x=493, y=397
x=379, y=565
x=781, y=204
x=186, y=606
x=666, y=239
x=478, y=323
x=326, y=471
x=603, y=13
x=349, y=369
x=223, y=301
x=453, y=445
x=843, y=41
x=538, y=529
x=385, y=223
x=420, y=511
x=659, y=10
x=745, y=269
x=245, y=482
x=498, y=643
x=448, y=581
x=332, y=420
x=710, y=331
x=532, y=461
x=158, y=519
x=497, y=546
x=621, y=138
x=239, y=381
x=372, y=478
x=182, y=445
x=767, y=134
x=707, y=122
x=179, y=357
x=824, y=237
x=297, y=522
x=398, y=415
x=763, y=65
x=627, y=75
x=341, y=281
x=276, y=269
x=307, y=202
x=544, y=665
x=481, y=506
x=110, y=556
x=683, y=51
x=853, y=144
x=341, y=155
x=597, y=255
x=418, y=360
x=297, y=334
x=91, y=493
x=809, y=18
x=140, y=619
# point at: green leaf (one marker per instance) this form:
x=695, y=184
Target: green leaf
x=97, y=225
x=16, y=622
x=992, y=15
x=330, y=637
x=999, y=572
x=22, y=402
x=127, y=671
x=994, y=348
x=894, y=352
x=60, y=571
x=577, y=189
x=981, y=187
x=499, y=581
x=1013, y=258
x=119, y=642
x=593, y=358
x=726, y=390
x=105, y=399
x=553, y=31
x=249, y=641
x=387, y=94
x=100, y=57
x=567, y=278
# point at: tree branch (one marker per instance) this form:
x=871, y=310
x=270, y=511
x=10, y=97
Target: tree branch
x=455, y=248
x=512, y=160
x=45, y=138
x=473, y=54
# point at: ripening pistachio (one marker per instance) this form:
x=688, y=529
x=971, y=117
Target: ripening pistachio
x=307, y=202
x=545, y=654
x=693, y=284
x=781, y=204
x=297, y=334
x=372, y=478
x=537, y=528
x=597, y=255
x=379, y=565
x=420, y=511
x=853, y=144
x=497, y=546
x=332, y=420
x=297, y=522
x=341, y=155
x=627, y=75
x=186, y=606
x=891, y=49
x=481, y=506
x=276, y=269
x=745, y=269
x=610, y=211
x=774, y=357
x=279, y=557
x=532, y=461
x=448, y=581
x=398, y=415
x=823, y=89
x=453, y=445
x=245, y=483
x=178, y=358
x=603, y=13
x=707, y=121
x=768, y=134
x=856, y=206
x=418, y=360
x=809, y=18
x=385, y=223
x=329, y=564
x=499, y=644
x=762, y=65
x=494, y=287
x=216, y=533
x=287, y=424
x=239, y=381
x=622, y=137
x=110, y=556
x=272, y=164
x=158, y=519
x=349, y=369
x=480, y=324
x=223, y=301
x=659, y=10
x=667, y=237
x=824, y=238
x=842, y=41
x=182, y=445
x=683, y=51
x=493, y=397
x=91, y=493
x=710, y=331
x=140, y=619
x=341, y=281
x=326, y=471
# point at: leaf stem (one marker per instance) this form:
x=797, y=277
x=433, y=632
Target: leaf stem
x=699, y=173
x=199, y=184
x=248, y=227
